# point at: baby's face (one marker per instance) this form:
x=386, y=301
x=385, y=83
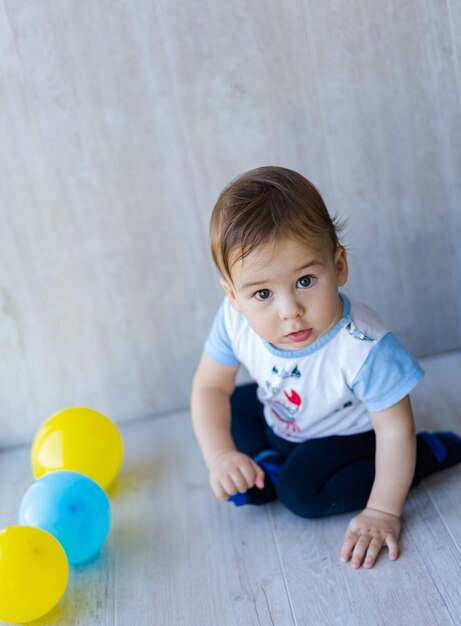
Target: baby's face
x=288, y=291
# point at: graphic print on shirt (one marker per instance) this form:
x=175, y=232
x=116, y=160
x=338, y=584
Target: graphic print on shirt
x=357, y=333
x=284, y=406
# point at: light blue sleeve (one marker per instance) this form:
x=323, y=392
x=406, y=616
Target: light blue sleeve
x=388, y=374
x=218, y=344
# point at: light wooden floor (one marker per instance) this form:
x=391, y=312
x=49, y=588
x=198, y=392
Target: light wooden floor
x=176, y=556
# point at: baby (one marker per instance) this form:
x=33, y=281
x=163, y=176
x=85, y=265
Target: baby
x=327, y=426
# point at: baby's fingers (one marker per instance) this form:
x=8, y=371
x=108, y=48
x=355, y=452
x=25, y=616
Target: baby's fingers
x=393, y=545
x=218, y=489
x=347, y=547
x=241, y=480
x=259, y=480
x=372, y=552
x=253, y=474
x=361, y=547
x=223, y=486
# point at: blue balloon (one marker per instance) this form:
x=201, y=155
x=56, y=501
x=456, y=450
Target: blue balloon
x=73, y=508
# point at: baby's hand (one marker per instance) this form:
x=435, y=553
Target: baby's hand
x=233, y=472
x=365, y=536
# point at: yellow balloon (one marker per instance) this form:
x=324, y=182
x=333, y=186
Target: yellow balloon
x=78, y=439
x=33, y=573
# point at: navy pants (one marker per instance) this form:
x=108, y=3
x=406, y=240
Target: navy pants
x=324, y=476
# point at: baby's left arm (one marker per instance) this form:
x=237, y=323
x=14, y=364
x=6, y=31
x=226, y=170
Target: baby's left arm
x=379, y=523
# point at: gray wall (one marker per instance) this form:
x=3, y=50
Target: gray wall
x=121, y=121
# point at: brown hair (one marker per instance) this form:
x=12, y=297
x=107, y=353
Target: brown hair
x=263, y=205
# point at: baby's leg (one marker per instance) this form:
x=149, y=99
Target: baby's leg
x=335, y=474
x=248, y=429
x=248, y=426
x=436, y=452
x=329, y=475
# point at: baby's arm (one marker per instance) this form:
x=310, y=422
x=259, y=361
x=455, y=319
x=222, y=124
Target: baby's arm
x=230, y=470
x=379, y=523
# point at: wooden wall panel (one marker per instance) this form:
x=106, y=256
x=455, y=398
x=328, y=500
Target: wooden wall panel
x=106, y=258
x=121, y=122
x=390, y=102
x=453, y=223
x=246, y=85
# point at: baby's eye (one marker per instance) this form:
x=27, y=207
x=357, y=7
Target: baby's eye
x=263, y=294
x=305, y=281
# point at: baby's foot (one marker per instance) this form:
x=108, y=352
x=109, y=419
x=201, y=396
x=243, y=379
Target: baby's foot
x=436, y=451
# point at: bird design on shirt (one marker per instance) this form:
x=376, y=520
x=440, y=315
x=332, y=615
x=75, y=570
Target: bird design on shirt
x=284, y=407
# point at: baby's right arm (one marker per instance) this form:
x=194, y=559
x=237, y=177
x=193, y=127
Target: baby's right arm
x=230, y=471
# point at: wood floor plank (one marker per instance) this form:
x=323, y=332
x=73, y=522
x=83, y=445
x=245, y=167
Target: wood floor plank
x=444, y=491
x=422, y=587
x=431, y=538
x=181, y=556
x=325, y=592
x=175, y=555
x=87, y=598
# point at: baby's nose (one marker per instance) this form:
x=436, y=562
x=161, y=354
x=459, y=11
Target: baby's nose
x=290, y=309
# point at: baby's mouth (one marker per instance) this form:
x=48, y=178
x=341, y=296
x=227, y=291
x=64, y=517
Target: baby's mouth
x=300, y=335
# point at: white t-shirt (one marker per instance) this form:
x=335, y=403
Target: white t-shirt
x=327, y=388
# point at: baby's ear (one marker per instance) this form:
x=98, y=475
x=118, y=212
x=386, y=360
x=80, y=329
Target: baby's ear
x=230, y=292
x=341, y=265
